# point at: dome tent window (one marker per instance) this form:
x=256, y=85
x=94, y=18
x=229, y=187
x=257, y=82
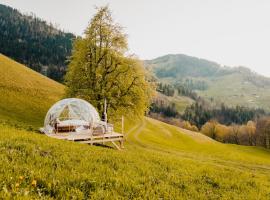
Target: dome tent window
x=77, y=120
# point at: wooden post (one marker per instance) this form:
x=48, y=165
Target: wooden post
x=122, y=124
x=105, y=114
x=123, y=129
x=117, y=147
x=122, y=143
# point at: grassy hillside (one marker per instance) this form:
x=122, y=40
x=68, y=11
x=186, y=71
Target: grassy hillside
x=160, y=161
x=180, y=66
x=25, y=95
x=233, y=86
x=234, y=89
x=181, y=102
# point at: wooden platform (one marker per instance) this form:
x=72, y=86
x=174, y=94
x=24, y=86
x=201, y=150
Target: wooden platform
x=92, y=139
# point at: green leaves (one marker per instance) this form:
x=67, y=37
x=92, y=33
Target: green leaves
x=99, y=68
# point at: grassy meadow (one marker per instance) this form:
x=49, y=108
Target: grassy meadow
x=159, y=161
x=180, y=102
x=26, y=95
x=234, y=90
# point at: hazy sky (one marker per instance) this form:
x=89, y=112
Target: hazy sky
x=230, y=32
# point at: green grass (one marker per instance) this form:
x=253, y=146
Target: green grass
x=26, y=95
x=181, y=102
x=235, y=90
x=160, y=161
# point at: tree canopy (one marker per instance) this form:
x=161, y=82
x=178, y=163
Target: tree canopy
x=101, y=69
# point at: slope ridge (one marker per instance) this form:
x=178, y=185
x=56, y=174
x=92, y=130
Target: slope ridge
x=25, y=94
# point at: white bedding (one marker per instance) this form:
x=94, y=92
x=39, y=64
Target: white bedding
x=73, y=122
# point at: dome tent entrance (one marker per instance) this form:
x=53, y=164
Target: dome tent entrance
x=77, y=120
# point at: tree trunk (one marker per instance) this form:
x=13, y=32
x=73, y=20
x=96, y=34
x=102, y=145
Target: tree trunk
x=267, y=141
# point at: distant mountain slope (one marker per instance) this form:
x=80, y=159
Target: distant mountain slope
x=180, y=102
x=182, y=66
x=234, y=86
x=25, y=95
x=34, y=42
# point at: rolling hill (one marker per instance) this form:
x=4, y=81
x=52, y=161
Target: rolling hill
x=25, y=94
x=230, y=85
x=160, y=161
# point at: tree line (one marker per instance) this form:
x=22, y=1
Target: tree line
x=165, y=89
x=193, y=84
x=253, y=133
x=160, y=107
x=199, y=113
x=34, y=42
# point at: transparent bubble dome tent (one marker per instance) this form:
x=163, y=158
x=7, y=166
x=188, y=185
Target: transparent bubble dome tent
x=77, y=120
x=69, y=115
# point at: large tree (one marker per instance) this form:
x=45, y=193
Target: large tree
x=100, y=68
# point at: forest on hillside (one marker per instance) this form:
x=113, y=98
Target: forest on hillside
x=34, y=42
x=228, y=124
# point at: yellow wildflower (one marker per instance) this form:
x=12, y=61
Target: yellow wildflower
x=34, y=183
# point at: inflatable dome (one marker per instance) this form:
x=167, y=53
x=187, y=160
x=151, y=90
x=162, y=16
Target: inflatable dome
x=69, y=114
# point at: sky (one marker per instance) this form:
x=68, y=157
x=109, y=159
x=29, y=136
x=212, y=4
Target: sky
x=229, y=32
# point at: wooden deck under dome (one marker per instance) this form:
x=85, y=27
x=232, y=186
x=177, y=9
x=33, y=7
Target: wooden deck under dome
x=87, y=138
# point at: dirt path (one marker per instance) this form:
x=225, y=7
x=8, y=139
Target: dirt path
x=160, y=126
x=194, y=135
x=133, y=129
x=138, y=131
x=138, y=128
